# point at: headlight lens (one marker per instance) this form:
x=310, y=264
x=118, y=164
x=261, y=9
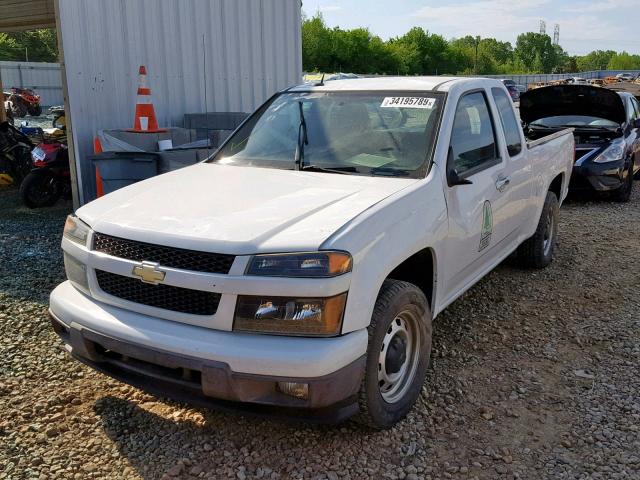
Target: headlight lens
x=316, y=317
x=312, y=264
x=76, y=230
x=76, y=272
x=614, y=152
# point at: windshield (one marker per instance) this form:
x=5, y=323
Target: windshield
x=378, y=133
x=576, y=121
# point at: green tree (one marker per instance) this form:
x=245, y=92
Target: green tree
x=425, y=53
x=316, y=44
x=536, y=52
x=36, y=45
x=624, y=61
x=596, y=60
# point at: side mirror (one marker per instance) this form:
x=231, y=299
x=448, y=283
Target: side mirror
x=454, y=179
x=452, y=174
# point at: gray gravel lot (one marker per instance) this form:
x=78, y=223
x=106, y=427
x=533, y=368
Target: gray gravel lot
x=536, y=375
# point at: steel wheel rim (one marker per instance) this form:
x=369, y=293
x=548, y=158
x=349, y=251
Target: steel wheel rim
x=549, y=233
x=394, y=385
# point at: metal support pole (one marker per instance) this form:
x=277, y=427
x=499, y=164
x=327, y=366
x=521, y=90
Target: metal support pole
x=73, y=164
x=3, y=114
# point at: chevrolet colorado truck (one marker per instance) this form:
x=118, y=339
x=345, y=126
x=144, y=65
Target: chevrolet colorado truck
x=300, y=267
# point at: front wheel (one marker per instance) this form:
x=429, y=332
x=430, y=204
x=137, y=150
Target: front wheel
x=39, y=190
x=398, y=355
x=623, y=194
x=537, y=251
x=35, y=110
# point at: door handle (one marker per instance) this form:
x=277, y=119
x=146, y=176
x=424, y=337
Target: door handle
x=502, y=183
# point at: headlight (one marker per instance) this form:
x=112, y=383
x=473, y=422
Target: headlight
x=314, y=317
x=312, y=264
x=76, y=272
x=76, y=230
x=614, y=152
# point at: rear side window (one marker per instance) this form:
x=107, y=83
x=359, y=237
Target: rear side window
x=509, y=123
x=473, y=140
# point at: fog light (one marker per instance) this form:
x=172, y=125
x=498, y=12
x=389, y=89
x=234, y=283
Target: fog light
x=293, y=389
x=76, y=272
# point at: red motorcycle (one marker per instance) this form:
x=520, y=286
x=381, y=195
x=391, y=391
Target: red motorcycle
x=50, y=178
x=24, y=101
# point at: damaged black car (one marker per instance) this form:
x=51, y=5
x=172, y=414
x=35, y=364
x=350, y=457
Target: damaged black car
x=606, y=128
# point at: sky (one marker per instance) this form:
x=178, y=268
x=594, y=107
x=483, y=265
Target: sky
x=585, y=25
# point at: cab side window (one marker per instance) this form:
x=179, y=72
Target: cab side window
x=473, y=139
x=631, y=114
x=510, y=125
x=635, y=108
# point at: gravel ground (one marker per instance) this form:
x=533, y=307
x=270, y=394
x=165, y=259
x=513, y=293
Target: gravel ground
x=43, y=121
x=536, y=375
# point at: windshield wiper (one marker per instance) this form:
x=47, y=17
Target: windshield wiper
x=389, y=172
x=590, y=127
x=316, y=168
x=302, y=140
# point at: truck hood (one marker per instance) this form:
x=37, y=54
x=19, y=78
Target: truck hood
x=559, y=100
x=237, y=210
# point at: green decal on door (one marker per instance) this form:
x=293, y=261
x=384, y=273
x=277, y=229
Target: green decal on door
x=487, y=226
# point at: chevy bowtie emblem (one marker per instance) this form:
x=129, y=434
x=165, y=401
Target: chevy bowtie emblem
x=149, y=272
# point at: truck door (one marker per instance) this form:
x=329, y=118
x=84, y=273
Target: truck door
x=476, y=193
x=517, y=191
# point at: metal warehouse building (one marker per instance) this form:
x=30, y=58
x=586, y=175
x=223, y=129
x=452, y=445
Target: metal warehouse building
x=201, y=56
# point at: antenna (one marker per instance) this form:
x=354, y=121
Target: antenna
x=556, y=34
x=321, y=82
x=543, y=27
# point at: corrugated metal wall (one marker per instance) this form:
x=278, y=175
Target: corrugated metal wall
x=251, y=48
x=44, y=78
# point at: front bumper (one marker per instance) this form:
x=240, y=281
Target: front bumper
x=211, y=368
x=601, y=177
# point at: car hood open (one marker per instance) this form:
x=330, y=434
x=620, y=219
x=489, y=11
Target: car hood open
x=560, y=100
x=238, y=210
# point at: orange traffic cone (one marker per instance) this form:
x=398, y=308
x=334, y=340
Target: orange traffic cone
x=145, y=120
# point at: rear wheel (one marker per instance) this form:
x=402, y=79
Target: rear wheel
x=18, y=109
x=537, y=251
x=39, y=190
x=398, y=354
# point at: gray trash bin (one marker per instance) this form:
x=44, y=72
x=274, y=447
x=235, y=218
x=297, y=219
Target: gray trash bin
x=119, y=169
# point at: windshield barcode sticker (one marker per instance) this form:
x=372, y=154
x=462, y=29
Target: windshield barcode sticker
x=408, y=102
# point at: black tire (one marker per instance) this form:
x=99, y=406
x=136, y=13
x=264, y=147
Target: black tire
x=623, y=194
x=39, y=190
x=35, y=111
x=397, y=301
x=537, y=251
x=18, y=109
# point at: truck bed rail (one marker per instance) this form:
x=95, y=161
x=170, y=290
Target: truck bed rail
x=548, y=138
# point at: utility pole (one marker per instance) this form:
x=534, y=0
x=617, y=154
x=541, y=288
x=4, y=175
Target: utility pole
x=26, y=54
x=475, y=62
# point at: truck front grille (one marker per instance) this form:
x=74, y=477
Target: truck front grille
x=177, y=299
x=166, y=256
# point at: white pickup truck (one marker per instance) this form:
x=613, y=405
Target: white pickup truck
x=301, y=266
